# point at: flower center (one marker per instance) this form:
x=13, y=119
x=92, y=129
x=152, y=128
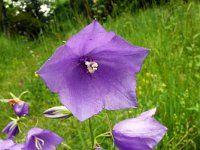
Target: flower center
x=91, y=66
x=88, y=65
x=39, y=143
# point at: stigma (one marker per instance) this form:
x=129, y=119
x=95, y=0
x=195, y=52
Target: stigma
x=91, y=66
x=39, y=143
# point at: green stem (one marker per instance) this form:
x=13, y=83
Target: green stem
x=91, y=133
x=110, y=127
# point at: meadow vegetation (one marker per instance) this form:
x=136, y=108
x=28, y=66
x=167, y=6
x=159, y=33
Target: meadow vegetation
x=169, y=78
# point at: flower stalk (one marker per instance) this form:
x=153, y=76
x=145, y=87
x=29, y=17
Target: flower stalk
x=91, y=133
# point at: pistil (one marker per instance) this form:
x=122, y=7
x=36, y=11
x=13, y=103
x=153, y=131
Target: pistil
x=91, y=66
x=39, y=143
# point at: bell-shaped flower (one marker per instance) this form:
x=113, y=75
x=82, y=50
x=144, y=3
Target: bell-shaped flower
x=95, y=69
x=41, y=139
x=20, y=107
x=6, y=144
x=57, y=112
x=141, y=133
x=11, y=129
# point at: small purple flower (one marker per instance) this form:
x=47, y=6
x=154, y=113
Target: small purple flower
x=141, y=133
x=95, y=69
x=20, y=107
x=41, y=139
x=6, y=144
x=11, y=129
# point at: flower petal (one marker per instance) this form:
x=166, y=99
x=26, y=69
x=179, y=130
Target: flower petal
x=120, y=88
x=54, y=70
x=50, y=137
x=90, y=37
x=148, y=113
x=48, y=146
x=119, y=53
x=17, y=147
x=83, y=96
x=123, y=96
x=7, y=128
x=6, y=144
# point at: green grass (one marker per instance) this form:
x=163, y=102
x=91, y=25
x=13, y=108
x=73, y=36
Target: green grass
x=169, y=78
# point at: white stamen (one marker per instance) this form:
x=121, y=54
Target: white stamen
x=39, y=143
x=91, y=66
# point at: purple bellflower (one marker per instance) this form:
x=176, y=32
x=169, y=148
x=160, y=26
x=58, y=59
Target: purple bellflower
x=11, y=129
x=41, y=139
x=20, y=107
x=6, y=144
x=94, y=69
x=141, y=133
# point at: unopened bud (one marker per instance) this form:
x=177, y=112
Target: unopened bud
x=57, y=112
x=20, y=107
x=11, y=129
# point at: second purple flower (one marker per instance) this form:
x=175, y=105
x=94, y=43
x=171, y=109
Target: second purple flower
x=140, y=133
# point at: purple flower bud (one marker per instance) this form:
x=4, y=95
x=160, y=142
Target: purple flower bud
x=6, y=144
x=140, y=133
x=41, y=139
x=20, y=107
x=57, y=112
x=11, y=129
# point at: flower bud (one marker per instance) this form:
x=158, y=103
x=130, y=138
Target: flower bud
x=57, y=112
x=20, y=107
x=11, y=129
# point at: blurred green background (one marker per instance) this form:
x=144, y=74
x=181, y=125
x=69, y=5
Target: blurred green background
x=31, y=30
